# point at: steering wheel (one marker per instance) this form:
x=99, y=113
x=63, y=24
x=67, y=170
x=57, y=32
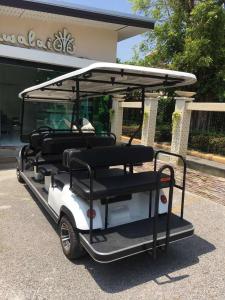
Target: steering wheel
x=41, y=129
x=44, y=128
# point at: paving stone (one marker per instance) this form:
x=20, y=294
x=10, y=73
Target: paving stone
x=207, y=186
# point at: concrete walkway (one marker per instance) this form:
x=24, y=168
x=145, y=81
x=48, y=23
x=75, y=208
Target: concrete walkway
x=33, y=266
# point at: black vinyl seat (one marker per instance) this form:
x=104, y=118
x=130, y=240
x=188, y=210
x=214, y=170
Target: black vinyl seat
x=117, y=185
x=109, y=156
x=51, y=169
x=36, y=138
x=61, y=179
x=52, y=148
x=93, y=187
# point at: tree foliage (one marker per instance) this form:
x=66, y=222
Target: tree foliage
x=190, y=36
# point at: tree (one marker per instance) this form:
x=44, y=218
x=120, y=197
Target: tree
x=190, y=36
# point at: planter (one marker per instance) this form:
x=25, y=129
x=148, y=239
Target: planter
x=185, y=94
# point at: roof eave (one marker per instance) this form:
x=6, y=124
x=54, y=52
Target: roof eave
x=81, y=12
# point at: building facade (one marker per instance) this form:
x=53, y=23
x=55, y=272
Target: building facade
x=40, y=40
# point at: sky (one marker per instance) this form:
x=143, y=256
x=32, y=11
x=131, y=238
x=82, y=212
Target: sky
x=124, y=51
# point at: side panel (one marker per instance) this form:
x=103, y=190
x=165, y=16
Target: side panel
x=78, y=207
x=118, y=213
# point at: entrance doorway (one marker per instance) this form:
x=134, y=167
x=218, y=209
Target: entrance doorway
x=13, y=79
x=15, y=76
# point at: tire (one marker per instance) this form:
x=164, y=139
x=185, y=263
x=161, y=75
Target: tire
x=70, y=240
x=18, y=175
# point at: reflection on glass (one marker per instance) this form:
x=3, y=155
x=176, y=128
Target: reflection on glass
x=92, y=113
x=40, y=114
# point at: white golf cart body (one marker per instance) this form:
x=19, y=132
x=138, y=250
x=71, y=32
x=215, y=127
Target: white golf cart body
x=56, y=193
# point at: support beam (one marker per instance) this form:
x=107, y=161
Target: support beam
x=130, y=104
x=206, y=106
x=149, y=120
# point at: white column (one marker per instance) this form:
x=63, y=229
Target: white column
x=181, y=126
x=117, y=116
x=149, y=120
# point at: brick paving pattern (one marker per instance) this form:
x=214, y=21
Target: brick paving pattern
x=204, y=185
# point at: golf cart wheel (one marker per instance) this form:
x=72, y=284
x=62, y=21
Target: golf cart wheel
x=70, y=240
x=18, y=175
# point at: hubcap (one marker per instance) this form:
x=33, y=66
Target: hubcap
x=65, y=236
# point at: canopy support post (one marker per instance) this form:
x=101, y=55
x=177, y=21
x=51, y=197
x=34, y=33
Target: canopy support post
x=21, y=118
x=76, y=106
x=142, y=117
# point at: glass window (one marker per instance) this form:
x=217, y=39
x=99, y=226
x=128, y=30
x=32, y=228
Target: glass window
x=14, y=79
x=40, y=114
x=96, y=110
x=58, y=116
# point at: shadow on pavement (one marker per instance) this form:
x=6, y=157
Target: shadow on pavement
x=135, y=270
x=45, y=213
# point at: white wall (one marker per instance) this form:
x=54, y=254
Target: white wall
x=92, y=43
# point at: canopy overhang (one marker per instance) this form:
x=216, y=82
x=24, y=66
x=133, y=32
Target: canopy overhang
x=105, y=79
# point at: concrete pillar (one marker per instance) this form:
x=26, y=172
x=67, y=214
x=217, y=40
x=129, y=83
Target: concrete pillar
x=117, y=116
x=149, y=120
x=181, y=126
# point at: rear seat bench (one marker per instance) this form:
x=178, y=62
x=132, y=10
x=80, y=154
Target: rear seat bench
x=51, y=148
x=98, y=187
x=111, y=188
x=63, y=178
x=49, y=160
x=36, y=138
x=36, y=141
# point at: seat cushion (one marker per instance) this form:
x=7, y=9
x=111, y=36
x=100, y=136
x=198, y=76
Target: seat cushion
x=110, y=156
x=62, y=179
x=48, y=159
x=91, y=142
x=117, y=185
x=36, y=138
x=56, y=145
x=48, y=169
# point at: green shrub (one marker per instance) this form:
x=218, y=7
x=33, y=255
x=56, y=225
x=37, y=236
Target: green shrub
x=209, y=142
x=129, y=131
x=217, y=145
x=199, y=142
x=163, y=133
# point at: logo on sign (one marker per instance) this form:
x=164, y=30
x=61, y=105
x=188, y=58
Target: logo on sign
x=61, y=42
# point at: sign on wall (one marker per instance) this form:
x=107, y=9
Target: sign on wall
x=61, y=42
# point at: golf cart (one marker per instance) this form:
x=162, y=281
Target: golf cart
x=86, y=180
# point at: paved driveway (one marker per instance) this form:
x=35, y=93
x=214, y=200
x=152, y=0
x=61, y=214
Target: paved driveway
x=32, y=265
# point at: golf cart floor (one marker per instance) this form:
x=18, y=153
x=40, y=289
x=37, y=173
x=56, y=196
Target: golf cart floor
x=125, y=240
x=39, y=186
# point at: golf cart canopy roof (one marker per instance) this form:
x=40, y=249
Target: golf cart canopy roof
x=105, y=79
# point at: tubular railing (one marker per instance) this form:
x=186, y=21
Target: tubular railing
x=91, y=176
x=181, y=187
x=156, y=213
x=159, y=185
